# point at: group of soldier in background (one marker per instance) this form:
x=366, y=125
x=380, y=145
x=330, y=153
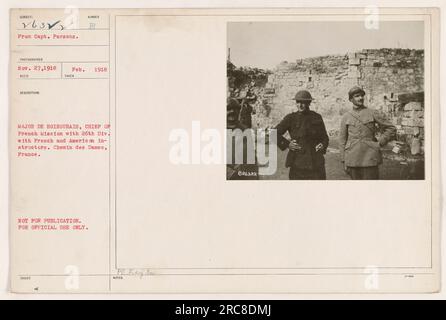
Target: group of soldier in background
x=360, y=148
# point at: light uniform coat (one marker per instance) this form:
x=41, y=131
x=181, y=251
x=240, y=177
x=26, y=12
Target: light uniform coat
x=357, y=138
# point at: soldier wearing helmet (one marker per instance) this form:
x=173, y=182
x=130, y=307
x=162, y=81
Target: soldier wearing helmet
x=244, y=170
x=247, y=110
x=359, y=146
x=309, y=140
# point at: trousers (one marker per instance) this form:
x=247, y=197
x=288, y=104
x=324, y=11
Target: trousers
x=363, y=173
x=306, y=174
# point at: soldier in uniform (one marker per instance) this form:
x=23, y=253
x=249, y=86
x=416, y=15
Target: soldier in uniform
x=309, y=140
x=360, y=149
x=243, y=170
x=247, y=110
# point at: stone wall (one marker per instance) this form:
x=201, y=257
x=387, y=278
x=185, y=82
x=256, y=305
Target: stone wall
x=407, y=113
x=384, y=74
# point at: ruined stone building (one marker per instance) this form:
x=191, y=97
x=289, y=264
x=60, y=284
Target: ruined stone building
x=392, y=78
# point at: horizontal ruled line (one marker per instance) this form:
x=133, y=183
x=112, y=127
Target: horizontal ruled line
x=63, y=61
x=62, y=78
x=276, y=268
x=222, y=274
x=62, y=45
x=248, y=14
x=83, y=29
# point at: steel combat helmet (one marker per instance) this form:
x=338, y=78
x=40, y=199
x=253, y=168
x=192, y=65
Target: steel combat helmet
x=303, y=95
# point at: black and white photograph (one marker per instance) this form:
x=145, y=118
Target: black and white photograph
x=117, y=144
x=344, y=99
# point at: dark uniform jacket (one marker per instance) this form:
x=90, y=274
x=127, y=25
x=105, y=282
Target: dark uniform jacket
x=357, y=137
x=246, y=115
x=308, y=129
x=244, y=170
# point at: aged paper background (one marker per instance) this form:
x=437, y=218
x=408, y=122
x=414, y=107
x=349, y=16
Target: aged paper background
x=151, y=194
